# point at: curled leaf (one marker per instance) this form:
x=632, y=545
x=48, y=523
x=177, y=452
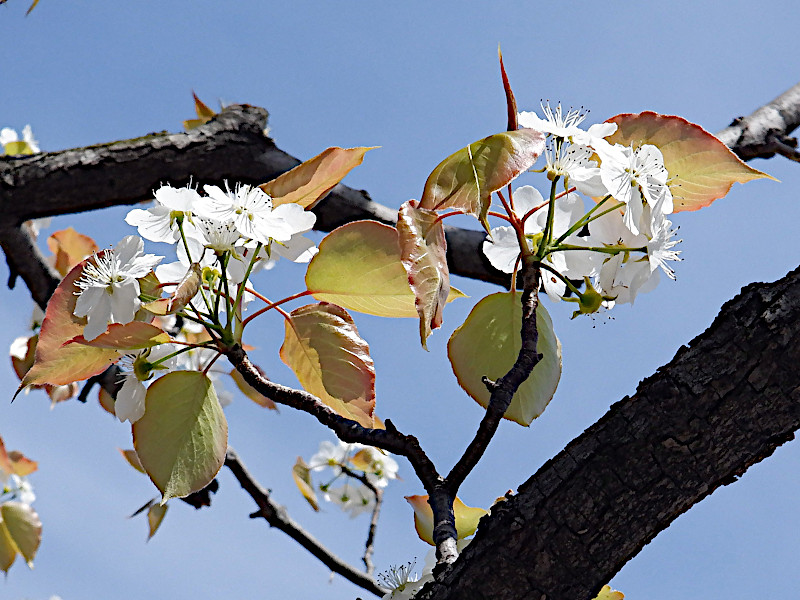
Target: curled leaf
x=423, y=251
x=129, y=336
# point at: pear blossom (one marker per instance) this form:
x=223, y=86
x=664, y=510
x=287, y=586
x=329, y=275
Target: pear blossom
x=353, y=499
x=556, y=123
x=503, y=250
x=402, y=582
x=250, y=210
x=28, y=145
x=638, y=179
x=109, y=286
x=329, y=455
x=21, y=489
x=160, y=222
x=139, y=367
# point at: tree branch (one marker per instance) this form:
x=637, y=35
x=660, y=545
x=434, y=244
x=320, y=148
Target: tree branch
x=766, y=132
x=721, y=405
x=277, y=517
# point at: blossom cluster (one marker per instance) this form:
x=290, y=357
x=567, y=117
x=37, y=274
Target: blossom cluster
x=222, y=238
x=616, y=247
x=353, y=467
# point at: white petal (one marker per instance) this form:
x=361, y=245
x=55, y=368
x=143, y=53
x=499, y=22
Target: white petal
x=130, y=402
x=503, y=249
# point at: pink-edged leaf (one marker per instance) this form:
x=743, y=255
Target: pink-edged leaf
x=69, y=248
x=129, y=336
x=701, y=168
x=358, y=267
x=310, y=181
x=467, y=518
x=302, y=479
x=423, y=251
x=488, y=344
x=467, y=179
x=23, y=353
x=323, y=348
x=56, y=364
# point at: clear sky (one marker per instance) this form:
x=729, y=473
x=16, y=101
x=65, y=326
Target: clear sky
x=419, y=79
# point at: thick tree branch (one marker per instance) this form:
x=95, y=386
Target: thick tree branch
x=277, y=517
x=721, y=405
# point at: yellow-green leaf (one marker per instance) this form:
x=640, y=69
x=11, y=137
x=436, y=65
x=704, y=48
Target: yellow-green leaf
x=155, y=515
x=23, y=527
x=423, y=252
x=331, y=361
x=129, y=336
x=358, y=267
x=18, y=148
x=488, y=344
x=56, y=364
x=182, y=438
x=467, y=518
x=302, y=479
x=310, y=181
x=8, y=551
x=606, y=593
x=132, y=458
x=701, y=168
x=251, y=392
x=467, y=179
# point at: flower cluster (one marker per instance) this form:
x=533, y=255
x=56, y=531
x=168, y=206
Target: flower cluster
x=616, y=247
x=222, y=238
x=356, y=469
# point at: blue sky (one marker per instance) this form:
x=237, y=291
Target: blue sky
x=421, y=81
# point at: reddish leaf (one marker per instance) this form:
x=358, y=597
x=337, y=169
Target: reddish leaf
x=310, y=181
x=423, y=251
x=511, y=102
x=701, y=168
x=331, y=361
x=467, y=179
x=204, y=114
x=60, y=365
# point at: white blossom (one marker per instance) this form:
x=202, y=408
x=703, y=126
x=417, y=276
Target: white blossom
x=109, y=286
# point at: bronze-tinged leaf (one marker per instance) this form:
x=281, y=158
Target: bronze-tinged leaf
x=204, y=114
x=310, y=181
x=511, y=102
x=155, y=516
x=423, y=251
x=467, y=179
x=24, y=527
x=54, y=363
x=323, y=348
x=69, y=248
x=302, y=479
x=701, y=168
x=128, y=336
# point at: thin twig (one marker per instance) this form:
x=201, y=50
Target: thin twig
x=277, y=517
x=369, y=545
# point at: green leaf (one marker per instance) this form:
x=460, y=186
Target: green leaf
x=488, y=343
x=423, y=251
x=311, y=180
x=60, y=365
x=701, y=168
x=467, y=179
x=130, y=336
x=358, y=267
x=23, y=527
x=331, y=361
x=182, y=438
x=155, y=515
x=302, y=479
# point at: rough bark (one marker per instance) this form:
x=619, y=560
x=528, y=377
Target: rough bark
x=724, y=403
